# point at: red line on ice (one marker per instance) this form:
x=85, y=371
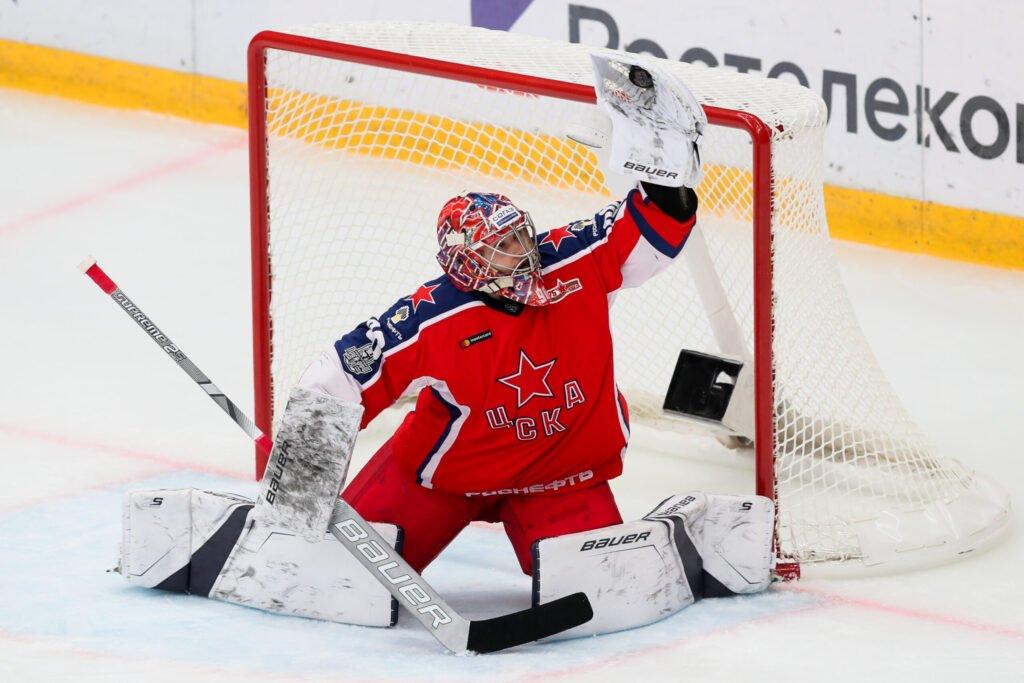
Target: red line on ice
x=79, y=489
x=911, y=613
x=118, y=451
x=128, y=183
x=119, y=666
x=828, y=600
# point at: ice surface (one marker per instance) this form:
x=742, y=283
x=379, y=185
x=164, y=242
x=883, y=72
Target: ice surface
x=89, y=409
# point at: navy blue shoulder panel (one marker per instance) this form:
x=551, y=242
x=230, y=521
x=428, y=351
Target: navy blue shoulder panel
x=362, y=349
x=559, y=244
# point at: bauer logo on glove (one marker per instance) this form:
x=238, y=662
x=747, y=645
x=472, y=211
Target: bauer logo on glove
x=650, y=170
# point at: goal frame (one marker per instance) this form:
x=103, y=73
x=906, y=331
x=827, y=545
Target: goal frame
x=762, y=194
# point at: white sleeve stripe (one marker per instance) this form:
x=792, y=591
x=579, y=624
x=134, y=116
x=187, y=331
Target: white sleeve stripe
x=644, y=262
x=328, y=375
x=618, y=411
x=428, y=468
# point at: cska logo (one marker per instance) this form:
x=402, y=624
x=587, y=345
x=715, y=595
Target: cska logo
x=530, y=380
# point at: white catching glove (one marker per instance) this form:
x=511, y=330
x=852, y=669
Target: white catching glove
x=657, y=123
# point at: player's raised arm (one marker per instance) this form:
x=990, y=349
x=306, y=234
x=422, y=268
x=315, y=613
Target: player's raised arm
x=657, y=126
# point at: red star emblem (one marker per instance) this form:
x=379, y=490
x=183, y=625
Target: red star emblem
x=425, y=294
x=556, y=236
x=529, y=380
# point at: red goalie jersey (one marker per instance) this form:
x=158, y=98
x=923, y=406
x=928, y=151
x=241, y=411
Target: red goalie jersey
x=512, y=399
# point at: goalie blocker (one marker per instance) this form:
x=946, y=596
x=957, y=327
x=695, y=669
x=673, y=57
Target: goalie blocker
x=690, y=547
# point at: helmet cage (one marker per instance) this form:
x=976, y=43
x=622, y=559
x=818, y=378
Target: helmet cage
x=500, y=242
x=491, y=233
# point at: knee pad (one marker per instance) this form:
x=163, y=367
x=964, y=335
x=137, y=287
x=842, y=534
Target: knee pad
x=212, y=544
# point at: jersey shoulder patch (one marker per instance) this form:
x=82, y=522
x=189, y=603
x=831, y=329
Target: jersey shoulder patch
x=362, y=350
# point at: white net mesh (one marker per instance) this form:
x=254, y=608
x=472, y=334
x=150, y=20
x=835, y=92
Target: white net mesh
x=361, y=158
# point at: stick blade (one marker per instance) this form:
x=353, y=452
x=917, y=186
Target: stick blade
x=518, y=628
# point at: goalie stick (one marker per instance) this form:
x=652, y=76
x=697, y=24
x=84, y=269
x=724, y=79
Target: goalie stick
x=452, y=630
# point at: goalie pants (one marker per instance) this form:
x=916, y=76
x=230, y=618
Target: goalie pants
x=385, y=490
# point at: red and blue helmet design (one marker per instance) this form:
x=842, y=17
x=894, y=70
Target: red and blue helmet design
x=488, y=244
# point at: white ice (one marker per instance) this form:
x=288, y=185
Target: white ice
x=89, y=409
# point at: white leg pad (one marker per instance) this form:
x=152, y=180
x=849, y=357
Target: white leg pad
x=211, y=544
x=732, y=534
x=631, y=573
x=286, y=574
x=690, y=547
x=161, y=529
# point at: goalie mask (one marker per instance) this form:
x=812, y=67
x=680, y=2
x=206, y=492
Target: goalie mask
x=489, y=245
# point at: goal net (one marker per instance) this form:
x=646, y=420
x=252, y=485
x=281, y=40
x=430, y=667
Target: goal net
x=361, y=131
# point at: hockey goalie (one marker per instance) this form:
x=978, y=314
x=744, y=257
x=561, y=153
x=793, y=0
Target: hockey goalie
x=518, y=420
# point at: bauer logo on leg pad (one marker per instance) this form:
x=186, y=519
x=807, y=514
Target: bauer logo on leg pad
x=630, y=573
x=612, y=541
x=687, y=505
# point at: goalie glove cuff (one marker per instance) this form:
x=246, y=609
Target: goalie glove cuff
x=679, y=203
